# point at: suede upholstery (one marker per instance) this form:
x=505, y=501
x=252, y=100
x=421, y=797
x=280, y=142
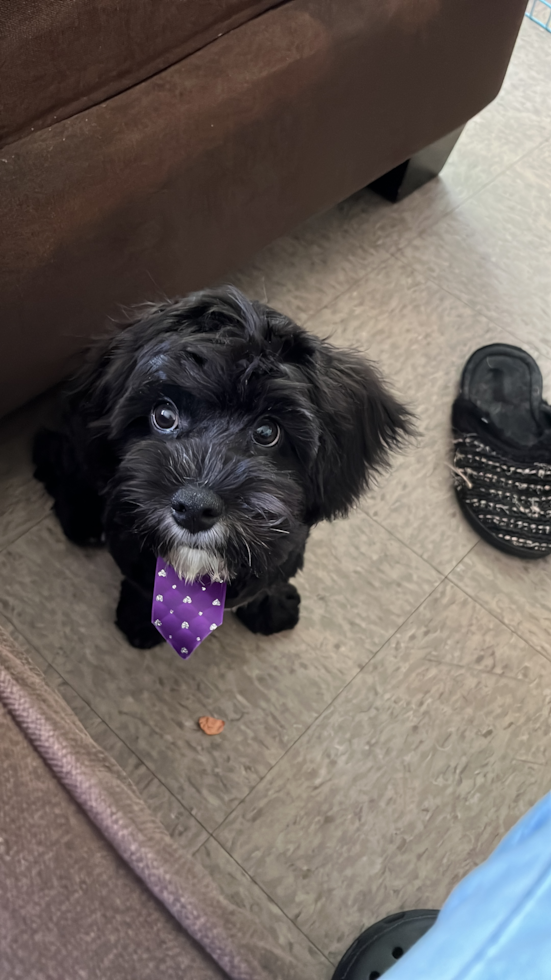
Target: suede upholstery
x=181, y=176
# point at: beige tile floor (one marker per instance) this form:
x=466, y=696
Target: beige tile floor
x=368, y=761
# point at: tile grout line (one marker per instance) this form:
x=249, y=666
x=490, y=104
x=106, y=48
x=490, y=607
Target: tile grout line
x=250, y=790
x=210, y=835
x=362, y=669
x=329, y=705
x=268, y=896
x=530, y=762
x=135, y=753
x=27, y=530
x=473, y=546
x=346, y=684
x=307, y=729
x=498, y=619
x=303, y=320
x=351, y=285
x=467, y=303
x=489, y=611
x=395, y=250
x=113, y=732
x=392, y=252
x=405, y=544
x=22, y=632
x=475, y=670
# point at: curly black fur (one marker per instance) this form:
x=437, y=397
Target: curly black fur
x=225, y=363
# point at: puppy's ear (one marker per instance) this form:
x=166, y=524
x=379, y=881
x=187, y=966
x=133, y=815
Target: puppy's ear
x=111, y=359
x=361, y=422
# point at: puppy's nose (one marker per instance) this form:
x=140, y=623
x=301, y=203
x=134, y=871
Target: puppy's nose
x=196, y=508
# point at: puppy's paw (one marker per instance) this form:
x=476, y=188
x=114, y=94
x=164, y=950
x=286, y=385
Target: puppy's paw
x=47, y=458
x=134, y=618
x=277, y=611
x=77, y=505
x=79, y=511
x=143, y=637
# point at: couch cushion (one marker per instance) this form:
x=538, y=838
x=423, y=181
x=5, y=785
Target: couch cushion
x=172, y=184
x=59, y=57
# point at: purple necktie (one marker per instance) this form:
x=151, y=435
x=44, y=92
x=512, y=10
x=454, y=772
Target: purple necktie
x=185, y=614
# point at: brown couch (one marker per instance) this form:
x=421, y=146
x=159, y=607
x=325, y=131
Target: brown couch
x=149, y=146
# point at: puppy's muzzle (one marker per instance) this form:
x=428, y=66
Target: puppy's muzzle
x=196, y=508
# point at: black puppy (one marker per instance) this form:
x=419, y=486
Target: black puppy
x=215, y=432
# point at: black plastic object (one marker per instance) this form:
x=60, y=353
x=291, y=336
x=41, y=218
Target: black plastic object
x=378, y=948
x=417, y=170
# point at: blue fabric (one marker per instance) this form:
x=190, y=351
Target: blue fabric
x=496, y=925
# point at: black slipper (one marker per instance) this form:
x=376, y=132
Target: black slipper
x=502, y=451
x=378, y=948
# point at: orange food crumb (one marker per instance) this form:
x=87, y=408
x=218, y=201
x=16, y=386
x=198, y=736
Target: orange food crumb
x=211, y=726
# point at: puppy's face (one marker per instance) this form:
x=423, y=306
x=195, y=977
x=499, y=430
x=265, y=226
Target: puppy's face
x=235, y=430
x=214, y=477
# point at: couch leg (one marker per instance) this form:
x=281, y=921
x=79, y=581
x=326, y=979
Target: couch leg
x=418, y=170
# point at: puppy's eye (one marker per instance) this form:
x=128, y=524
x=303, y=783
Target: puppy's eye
x=267, y=433
x=164, y=417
